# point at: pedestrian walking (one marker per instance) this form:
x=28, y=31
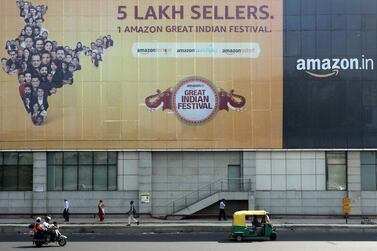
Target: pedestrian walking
x=131, y=214
x=66, y=210
x=222, y=209
x=101, y=211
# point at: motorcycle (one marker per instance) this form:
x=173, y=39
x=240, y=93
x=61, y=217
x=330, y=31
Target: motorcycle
x=52, y=236
x=61, y=240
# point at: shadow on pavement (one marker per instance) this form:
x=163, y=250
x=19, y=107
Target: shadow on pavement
x=32, y=246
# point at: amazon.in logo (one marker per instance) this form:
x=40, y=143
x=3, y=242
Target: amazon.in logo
x=328, y=67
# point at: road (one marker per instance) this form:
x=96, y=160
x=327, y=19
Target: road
x=287, y=241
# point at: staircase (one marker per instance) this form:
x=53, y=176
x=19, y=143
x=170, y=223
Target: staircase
x=228, y=189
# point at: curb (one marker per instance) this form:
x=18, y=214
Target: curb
x=328, y=228
x=188, y=228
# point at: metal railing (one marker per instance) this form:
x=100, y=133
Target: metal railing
x=222, y=185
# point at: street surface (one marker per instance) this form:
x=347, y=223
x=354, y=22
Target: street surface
x=287, y=241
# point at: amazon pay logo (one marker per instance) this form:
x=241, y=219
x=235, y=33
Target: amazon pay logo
x=328, y=67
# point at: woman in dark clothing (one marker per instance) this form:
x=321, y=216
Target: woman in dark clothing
x=26, y=57
x=57, y=74
x=78, y=48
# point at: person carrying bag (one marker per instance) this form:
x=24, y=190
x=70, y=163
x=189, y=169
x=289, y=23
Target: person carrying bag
x=131, y=214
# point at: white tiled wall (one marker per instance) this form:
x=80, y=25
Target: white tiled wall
x=302, y=202
x=285, y=171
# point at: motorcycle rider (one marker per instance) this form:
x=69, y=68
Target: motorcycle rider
x=46, y=223
x=55, y=228
x=47, y=228
x=37, y=228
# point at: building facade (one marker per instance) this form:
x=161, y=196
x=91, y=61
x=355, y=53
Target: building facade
x=270, y=105
x=281, y=182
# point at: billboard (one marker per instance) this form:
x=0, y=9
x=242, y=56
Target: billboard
x=141, y=74
x=330, y=91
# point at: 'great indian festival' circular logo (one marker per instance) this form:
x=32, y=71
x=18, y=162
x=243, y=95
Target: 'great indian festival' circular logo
x=195, y=100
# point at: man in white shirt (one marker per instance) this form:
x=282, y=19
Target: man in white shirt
x=46, y=223
x=66, y=210
x=50, y=229
x=222, y=209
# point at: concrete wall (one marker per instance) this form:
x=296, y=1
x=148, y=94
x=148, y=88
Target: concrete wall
x=175, y=174
x=354, y=185
x=293, y=182
x=362, y=202
x=16, y=202
x=284, y=182
x=301, y=202
x=286, y=171
x=128, y=171
x=39, y=193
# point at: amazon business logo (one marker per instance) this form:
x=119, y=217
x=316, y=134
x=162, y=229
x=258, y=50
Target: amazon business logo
x=329, y=67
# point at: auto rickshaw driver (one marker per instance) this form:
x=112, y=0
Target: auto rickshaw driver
x=258, y=225
x=255, y=222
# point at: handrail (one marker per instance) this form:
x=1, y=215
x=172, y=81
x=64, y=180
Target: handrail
x=221, y=185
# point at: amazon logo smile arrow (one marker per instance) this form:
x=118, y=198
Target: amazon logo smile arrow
x=325, y=75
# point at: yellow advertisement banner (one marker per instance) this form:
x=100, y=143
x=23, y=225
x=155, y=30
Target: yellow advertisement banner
x=141, y=74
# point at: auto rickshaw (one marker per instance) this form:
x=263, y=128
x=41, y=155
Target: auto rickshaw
x=260, y=228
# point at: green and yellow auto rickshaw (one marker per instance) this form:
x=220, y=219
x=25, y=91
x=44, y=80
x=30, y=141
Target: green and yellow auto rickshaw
x=259, y=227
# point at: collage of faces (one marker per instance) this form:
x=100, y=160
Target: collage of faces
x=42, y=65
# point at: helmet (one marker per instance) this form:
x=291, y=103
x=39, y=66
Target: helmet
x=38, y=219
x=48, y=218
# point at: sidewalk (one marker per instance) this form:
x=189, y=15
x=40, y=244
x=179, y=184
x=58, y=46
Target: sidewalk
x=152, y=225
x=210, y=220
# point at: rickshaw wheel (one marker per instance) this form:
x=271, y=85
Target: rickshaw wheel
x=273, y=236
x=239, y=238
